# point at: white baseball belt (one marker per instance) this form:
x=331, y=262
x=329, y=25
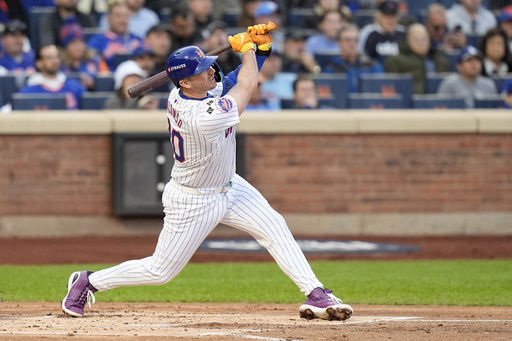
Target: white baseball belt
x=192, y=190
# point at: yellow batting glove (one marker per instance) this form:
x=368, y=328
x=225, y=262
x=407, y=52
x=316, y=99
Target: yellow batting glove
x=259, y=34
x=241, y=42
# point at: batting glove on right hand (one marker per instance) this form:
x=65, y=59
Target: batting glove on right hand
x=241, y=42
x=259, y=34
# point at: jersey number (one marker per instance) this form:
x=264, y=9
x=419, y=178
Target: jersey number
x=178, y=146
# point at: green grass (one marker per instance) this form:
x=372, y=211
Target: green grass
x=479, y=283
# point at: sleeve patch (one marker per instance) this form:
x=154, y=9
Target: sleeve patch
x=223, y=104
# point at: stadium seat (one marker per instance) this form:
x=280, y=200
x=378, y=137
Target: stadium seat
x=230, y=16
x=333, y=89
x=121, y=57
x=164, y=14
x=375, y=101
x=452, y=57
x=489, y=102
x=416, y=7
x=388, y=84
x=39, y=102
x=433, y=80
x=297, y=16
x=104, y=82
x=8, y=86
x=289, y=103
x=473, y=39
x=500, y=81
x=34, y=17
x=364, y=17
x=432, y=101
x=324, y=59
x=88, y=32
x=95, y=100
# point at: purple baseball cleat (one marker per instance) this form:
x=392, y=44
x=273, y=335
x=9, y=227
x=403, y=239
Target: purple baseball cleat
x=80, y=292
x=323, y=304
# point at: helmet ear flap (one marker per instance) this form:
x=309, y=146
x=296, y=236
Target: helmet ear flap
x=219, y=75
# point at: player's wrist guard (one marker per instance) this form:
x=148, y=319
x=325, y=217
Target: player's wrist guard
x=264, y=50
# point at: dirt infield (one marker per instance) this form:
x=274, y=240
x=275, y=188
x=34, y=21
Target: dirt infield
x=236, y=321
x=228, y=321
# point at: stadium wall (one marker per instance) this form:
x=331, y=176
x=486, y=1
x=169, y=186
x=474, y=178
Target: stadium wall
x=441, y=172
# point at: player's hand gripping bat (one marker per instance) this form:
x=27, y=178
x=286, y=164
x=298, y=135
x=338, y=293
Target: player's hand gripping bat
x=161, y=78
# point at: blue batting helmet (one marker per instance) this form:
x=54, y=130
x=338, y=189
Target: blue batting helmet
x=186, y=62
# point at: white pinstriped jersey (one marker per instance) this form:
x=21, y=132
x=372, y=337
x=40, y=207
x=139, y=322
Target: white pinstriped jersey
x=203, y=138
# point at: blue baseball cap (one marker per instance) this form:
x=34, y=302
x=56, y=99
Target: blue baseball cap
x=506, y=14
x=266, y=8
x=467, y=53
x=142, y=51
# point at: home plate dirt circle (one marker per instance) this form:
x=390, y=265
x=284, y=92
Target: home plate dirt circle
x=236, y=321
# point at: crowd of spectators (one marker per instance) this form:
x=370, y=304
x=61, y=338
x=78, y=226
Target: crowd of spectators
x=66, y=47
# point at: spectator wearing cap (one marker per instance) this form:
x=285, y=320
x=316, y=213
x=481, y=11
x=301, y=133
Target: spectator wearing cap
x=380, y=39
x=51, y=80
x=116, y=40
x=215, y=36
x=505, y=23
x=468, y=82
x=202, y=10
x=159, y=38
x=471, y=16
x=144, y=57
x=76, y=56
x=414, y=58
x=270, y=11
x=293, y=51
x=13, y=57
x=50, y=24
x=495, y=50
x=351, y=62
x=324, y=42
x=141, y=18
x=183, y=26
x=127, y=74
x=507, y=94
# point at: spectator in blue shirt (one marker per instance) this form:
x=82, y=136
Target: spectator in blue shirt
x=50, y=79
x=141, y=18
x=117, y=39
x=350, y=61
x=326, y=41
x=13, y=58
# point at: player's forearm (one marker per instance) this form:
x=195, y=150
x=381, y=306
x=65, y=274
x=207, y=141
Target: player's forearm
x=247, y=81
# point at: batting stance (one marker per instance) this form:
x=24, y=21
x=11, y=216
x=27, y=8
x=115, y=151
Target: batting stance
x=203, y=111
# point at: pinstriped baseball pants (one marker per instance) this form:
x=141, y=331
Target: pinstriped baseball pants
x=190, y=218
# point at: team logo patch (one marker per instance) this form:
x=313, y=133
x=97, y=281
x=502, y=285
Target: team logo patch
x=224, y=105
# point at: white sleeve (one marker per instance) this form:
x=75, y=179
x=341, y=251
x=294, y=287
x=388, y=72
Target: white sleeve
x=216, y=115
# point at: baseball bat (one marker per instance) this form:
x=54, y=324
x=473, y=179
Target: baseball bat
x=161, y=78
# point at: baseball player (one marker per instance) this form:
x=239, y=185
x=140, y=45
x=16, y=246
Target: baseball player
x=203, y=111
